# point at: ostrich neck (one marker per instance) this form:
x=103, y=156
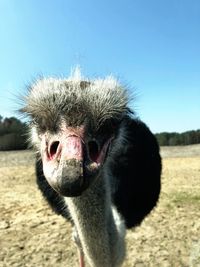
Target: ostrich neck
x=92, y=214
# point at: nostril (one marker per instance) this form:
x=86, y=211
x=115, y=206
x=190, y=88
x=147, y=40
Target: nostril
x=93, y=150
x=53, y=149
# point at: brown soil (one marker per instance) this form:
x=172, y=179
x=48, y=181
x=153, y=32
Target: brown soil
x=32, y=235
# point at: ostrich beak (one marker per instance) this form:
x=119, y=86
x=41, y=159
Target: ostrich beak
x=63, y=165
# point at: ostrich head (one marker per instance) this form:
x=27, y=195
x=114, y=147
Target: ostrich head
x=73, y=122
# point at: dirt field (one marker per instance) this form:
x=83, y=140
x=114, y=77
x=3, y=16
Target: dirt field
x=31, y=235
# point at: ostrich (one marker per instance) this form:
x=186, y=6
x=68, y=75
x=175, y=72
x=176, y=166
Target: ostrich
x=97, y=164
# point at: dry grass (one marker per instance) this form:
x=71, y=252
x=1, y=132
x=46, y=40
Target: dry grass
x=31, y=235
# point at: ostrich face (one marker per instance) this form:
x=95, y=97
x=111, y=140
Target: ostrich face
x=73, y=124
x=72, y=158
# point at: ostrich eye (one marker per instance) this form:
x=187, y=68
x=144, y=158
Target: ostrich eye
x=41, y=128
x=39, y=124
x=108, y=127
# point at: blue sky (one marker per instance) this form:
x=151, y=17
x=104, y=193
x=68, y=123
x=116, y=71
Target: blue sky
x=152, y=46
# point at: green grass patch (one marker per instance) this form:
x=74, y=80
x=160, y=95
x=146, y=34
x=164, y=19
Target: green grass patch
x=185, y=198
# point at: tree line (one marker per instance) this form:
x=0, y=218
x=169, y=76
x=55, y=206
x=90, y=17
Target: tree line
x=13, y=136
x=178, y=139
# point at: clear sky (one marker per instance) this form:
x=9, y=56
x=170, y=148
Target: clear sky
x=151, y=46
